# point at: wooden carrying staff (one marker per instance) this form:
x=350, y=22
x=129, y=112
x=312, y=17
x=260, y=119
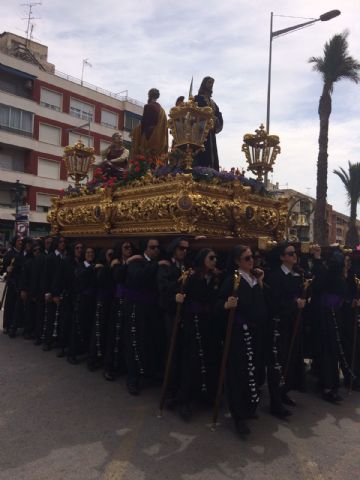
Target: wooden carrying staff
x=231, y=318
x=355, y=333
x=174, y=335
x=305, y=287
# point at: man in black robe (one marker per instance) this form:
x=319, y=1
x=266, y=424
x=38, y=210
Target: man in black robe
x=143, y=328
x=209, y=157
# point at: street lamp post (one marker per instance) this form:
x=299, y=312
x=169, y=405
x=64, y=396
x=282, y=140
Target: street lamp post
x=18, y=194
x=323, y=18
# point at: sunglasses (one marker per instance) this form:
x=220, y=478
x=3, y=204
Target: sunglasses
x=212, y=257
x=247, y=258
x=153, y=247
x=291, y=254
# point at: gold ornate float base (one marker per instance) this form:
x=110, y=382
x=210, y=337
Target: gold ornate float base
x=171, y=205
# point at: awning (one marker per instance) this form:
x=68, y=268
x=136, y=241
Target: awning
x=14, y=71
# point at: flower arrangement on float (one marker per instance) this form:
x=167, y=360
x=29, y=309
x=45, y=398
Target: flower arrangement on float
x=143, y=165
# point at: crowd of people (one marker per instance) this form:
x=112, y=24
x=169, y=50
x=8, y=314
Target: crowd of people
x=120, y=309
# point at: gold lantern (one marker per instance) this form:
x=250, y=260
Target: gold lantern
x=189, y=125
x=261, y=151
x=78, y=160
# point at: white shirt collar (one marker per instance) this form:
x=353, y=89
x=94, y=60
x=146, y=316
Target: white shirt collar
x=147, y=258
x=57, y=253
x=87, y=264
x=287, y=271
x=252, y=281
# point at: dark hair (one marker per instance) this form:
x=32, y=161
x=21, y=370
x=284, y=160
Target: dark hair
x=101, y=257
x=154, y=93
x=145, y=242
x=55, y=243
x=38, y=244
x=174, y=244
x=15, y=239
x=235, y=254
x=199, y=260
x=72, y=247
x=203, y=87
x=118, y=248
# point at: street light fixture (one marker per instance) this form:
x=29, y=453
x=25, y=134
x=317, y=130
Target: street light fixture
x=323, y=18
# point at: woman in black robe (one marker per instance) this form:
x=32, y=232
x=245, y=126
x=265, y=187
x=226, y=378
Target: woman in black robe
x=84, y=306
x=63, y=295
x=104, y=296
x=350, y=326
x=245, y=354
x=285, y=368
x=12, y=282
x=199, y=335
x=114, y=356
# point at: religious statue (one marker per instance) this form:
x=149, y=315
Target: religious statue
x=151, y=136
x=209, y=157
x=116, y=153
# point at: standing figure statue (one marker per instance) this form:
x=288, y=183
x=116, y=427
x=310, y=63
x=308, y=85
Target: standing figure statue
x=116, y=153
x=151, y=136
x=209, y=157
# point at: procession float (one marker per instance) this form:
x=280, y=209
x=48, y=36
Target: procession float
x=170, y=194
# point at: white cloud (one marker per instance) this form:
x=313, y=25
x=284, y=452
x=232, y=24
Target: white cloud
x=139, y=44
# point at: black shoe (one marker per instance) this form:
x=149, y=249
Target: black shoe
x=61, y=353
x=12, y=334
x=5, y=331
x=185, y=412
x=338, y=397
x=38, y=341
x=27, y=336
x=133, y=389
x=253, y=416
x=286, y=400
x=46, y=347
x=109, y=376
x=280, y=412
x=73, y=360
x=331, y=397
x=241, y=428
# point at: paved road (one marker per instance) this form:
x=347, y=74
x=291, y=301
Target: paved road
x=59, y=421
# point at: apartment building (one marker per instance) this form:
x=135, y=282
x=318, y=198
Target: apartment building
x=300, y=226
x=42, y=111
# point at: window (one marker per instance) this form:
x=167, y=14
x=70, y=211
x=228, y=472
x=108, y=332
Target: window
x=82, y=110
x=50, y=99
x=74, y=137
x=15, y=119
x=12, y=159
x=43, y=202
x=48, y=168
x=5, y=198
x=109, y=119
x=49, y=134
x=131, y=121
x=103, y=146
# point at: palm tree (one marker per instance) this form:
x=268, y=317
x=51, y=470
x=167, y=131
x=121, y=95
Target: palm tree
x=335, y=65
x=351, y=181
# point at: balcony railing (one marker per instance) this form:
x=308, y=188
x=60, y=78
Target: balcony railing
x=121, y=98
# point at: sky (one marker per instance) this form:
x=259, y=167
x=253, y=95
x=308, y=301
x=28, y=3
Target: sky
x=135, y=45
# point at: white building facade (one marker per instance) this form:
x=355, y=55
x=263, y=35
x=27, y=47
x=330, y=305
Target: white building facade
x=41, y=111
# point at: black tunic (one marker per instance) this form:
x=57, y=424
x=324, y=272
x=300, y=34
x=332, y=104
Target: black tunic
x=246, y=347
x=284, y=290
x=200, y=339
x=143, y=329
